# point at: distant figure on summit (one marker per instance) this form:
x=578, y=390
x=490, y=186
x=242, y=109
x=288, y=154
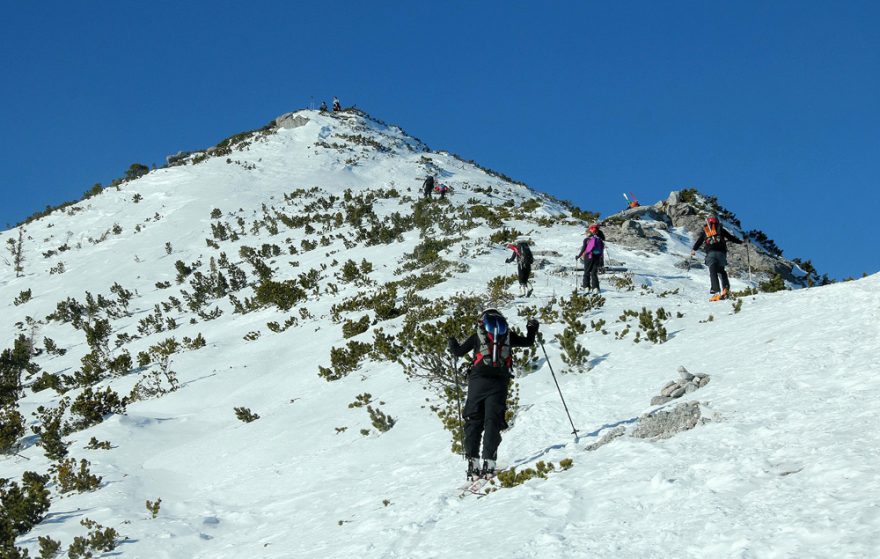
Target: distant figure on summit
x=336, y=105
x=428, y=186
x=323, y=106
x=716, y=236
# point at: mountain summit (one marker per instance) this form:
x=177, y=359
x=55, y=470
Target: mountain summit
x=243, y=354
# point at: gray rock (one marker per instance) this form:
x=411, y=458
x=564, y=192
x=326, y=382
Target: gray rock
x=690, y=387
x=701, y=382
x=669, y=389
x=657, y=400
x=634, y=228
x=684, y=374
x=678, y=392
x=674, y=198
x=607, y=438
x=291, y=120
x=700, y=375
x=663, y=424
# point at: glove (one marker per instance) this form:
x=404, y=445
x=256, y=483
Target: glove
x=532, y=325
x=450, y=344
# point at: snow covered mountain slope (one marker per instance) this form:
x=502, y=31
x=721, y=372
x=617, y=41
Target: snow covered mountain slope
x=284, y=239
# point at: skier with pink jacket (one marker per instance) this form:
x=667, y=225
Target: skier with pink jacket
x=591, y=253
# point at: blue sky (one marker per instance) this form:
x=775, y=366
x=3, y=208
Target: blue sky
x=770, y=106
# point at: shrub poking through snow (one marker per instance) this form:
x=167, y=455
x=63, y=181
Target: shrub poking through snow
x=153, y=507
x=245, y=414
x=70, y=478
x=99, y=539
x=21, y=508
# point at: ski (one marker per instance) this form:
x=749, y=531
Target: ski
x=474, y=487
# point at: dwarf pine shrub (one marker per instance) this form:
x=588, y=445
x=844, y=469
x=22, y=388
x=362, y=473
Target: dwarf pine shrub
x=153, y=507
x=245, y=414
x=51, y=429
x=92, y=407
x=21, y=508
x=11, y=427
x=353, y=328
x=573, y=354
x=773, y=285
x=99, y=540
x=380, y=420
x=22, y=298
x=69, y=478
x=49, y=548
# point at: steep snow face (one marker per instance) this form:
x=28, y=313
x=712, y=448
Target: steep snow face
x=781, y=462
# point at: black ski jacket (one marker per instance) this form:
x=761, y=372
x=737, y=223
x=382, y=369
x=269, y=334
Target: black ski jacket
x=473, y=343
x=428, y=185
x=720, y=246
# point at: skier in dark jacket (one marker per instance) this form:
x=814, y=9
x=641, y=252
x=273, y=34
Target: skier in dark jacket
x=715, y=236
x=488, y=382
x=592, y=253
x=428, y=186
x=523, y=256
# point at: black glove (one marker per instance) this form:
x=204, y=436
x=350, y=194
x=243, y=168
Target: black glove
x=532, y=325
x=451, y=343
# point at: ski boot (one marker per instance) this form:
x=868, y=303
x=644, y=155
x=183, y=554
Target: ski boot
x=488, y=471
x=725, y=293
x=715, y=297
x=473, y=471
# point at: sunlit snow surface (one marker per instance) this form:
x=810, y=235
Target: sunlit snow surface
x=787, y=466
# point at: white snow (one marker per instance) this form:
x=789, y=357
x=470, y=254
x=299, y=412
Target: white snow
x=787, y=466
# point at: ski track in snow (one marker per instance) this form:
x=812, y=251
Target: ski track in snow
x=786, y=466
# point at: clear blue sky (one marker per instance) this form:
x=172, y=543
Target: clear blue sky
x=774, y=107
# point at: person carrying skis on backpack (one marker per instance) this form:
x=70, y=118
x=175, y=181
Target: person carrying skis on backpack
x=524, y=259
x=337, y=106
x=715, y=236
x=441, y=188
x=488, y=382
x=428, y=186
x=592, y=251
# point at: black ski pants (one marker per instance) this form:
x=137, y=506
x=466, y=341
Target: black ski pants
x=716, y=261
x=524, y=272
x=484, y=415
x=591, y=273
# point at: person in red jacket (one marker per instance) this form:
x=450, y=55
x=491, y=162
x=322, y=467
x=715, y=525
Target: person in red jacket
x=715, y=236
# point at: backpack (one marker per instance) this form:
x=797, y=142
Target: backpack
x=493, y=349
x=525, y=253
x=713, y=234
x=598, y=245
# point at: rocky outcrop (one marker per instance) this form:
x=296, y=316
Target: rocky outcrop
x=642, y=229
x=686, y=384
x=663, y=424
x=291, y=120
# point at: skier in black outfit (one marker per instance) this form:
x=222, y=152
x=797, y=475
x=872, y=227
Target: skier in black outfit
x=488, y=381
x=716, y=236
x=428, y=186
x=523, y=256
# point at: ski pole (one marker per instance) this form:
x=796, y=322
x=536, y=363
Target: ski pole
x=574, y=429
x=458, y=401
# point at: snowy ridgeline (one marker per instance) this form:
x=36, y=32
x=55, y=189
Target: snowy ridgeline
x=262, y=316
